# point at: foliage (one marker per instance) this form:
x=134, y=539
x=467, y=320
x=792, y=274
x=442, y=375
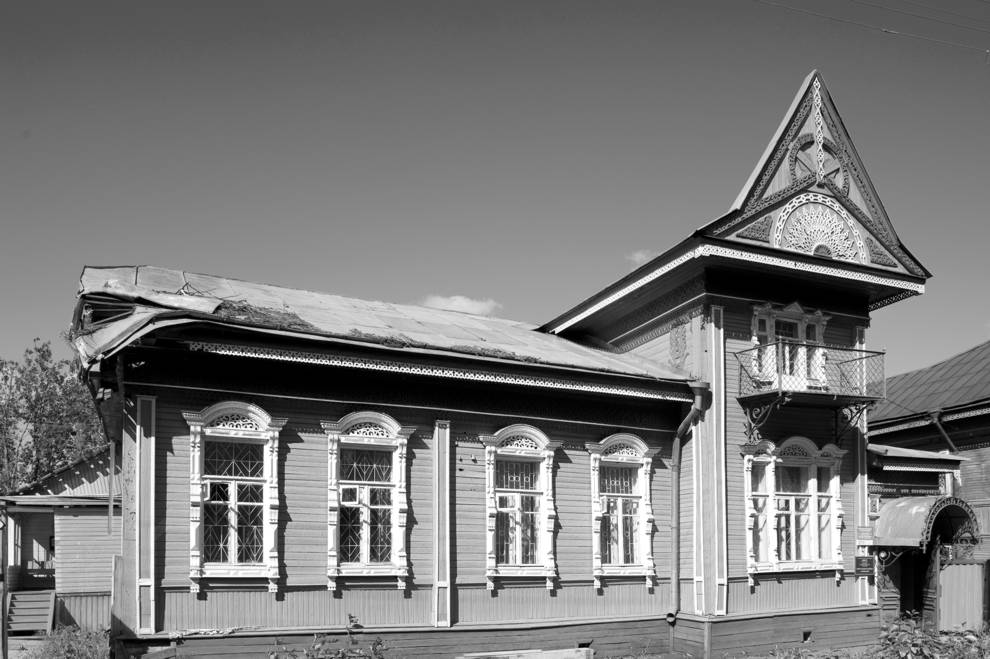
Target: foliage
x=47, y=418
x=905, y=639
x=325, y=646
x=72, y=643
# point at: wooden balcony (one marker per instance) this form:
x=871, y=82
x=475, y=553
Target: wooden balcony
x=810, y=374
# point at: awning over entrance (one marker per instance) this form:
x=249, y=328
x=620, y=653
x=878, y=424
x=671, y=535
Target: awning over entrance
x=911, y=521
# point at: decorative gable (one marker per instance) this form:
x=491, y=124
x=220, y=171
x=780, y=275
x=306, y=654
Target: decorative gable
x=810, y=193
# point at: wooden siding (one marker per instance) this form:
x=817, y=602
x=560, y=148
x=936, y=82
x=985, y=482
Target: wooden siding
x=83, y=556
x=615, y=638
x=788, y=592
x=857, y=627
x=86, y=610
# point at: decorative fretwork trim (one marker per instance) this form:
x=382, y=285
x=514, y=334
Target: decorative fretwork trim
x=629, y=449
x=902, y=426
x=368, y=428
x=266, y=431
x=787, y=235
x=279, y=354
x=911, y=288
x=758, y=230
x=661, y=329
x=877, y=255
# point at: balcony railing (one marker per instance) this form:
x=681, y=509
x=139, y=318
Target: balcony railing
x=811, y=368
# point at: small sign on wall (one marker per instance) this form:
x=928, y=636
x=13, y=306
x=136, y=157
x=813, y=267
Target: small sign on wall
x=864, y=566
x=864, y=535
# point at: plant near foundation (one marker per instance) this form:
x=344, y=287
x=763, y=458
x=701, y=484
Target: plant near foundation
x=325, y=646
x=905, y=639
x=71, y=643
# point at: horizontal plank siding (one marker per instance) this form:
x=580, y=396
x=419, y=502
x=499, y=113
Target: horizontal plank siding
x=812, y=631
x=84, y=553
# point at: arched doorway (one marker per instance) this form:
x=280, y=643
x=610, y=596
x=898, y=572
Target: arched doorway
x=918, y=540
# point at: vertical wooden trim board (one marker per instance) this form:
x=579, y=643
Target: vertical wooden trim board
x=441, y=523
x=145, y=495
x=719, y=448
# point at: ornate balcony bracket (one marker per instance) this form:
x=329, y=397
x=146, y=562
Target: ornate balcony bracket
x=757, y=415
x=848, y=417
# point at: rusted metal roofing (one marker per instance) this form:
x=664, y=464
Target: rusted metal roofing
x=147, y=295
x=908, y=521
x=960, y=380
x=88, y=476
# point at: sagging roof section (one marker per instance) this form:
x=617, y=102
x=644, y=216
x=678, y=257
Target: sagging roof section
x=909, y=521
x=118, y=304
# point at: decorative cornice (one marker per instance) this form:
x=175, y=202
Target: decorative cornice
x=393, y=366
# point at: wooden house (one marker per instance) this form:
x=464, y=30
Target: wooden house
x=929, y=442
x=676, y=463
x=63, y=532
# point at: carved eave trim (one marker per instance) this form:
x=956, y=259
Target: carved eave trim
x=826, y=267
x=409, y=368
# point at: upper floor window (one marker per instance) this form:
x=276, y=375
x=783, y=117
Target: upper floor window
x=789, y=346
x=622, y=512
x=520, y=505
x=794, y=509
x=234, y=491
x=367, y=497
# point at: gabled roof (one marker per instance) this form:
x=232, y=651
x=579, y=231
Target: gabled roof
x=959, y=381
x=88, y=476
x=117, y=304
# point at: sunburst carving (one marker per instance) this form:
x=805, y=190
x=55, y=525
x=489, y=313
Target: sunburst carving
x=815, y=224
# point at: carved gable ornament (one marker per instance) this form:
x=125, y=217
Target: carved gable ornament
x=810, y=193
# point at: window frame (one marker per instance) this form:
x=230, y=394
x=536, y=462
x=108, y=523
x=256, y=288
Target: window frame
x=522, y=443
x=237, y=422
x=807, y=357
x=623, y=450
x=803, y=453
x=370, y=431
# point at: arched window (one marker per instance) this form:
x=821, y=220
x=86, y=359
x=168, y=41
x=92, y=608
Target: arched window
x=234, y=492
x=519, y=499
x=793, y=507
x=367, y=499
x=621, y=508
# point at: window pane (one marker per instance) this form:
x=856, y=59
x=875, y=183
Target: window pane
x=792, y=479
x=380, y=496
x=824, y=479
x=618, y=480
x=216, y=530
x=825, y=536
x=630, y=528
x=760, y=546
x=233, y=459
x=349, y=494
x=786, y=329
x=250, y=493
x=758, y=477
x=505, y=538
x=610, y=536
x=250, y=523
x=784, y=537
x=365, y=465
x=381, y=535
x=802, y=539
x=350, y=535
x=219, y=493
x=510, y=475
x=530, y=525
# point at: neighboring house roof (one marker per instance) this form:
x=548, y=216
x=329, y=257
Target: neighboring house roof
x=84, y=478
x=147, y=297
x=898, y=452
x=962, y=380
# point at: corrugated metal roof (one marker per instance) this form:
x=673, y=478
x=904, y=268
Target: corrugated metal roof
x=161, y=293
x=959, y=380
x=898, y=452
x=908, y=521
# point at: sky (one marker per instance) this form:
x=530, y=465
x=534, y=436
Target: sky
x=507, y=156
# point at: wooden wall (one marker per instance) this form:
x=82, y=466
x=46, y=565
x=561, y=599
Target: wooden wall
x=85, y=550
x=86, y=610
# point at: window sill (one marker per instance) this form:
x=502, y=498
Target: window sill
x=521, y=571
x=623, y=571
x=234, y=571
x=370, y=570
x=792, y=568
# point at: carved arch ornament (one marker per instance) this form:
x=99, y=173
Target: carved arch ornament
x=521, y=442
x=367, y=429
x=628, y=450
x=815, y=224
x=233, y=421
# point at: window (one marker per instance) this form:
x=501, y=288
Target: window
x=367, y=498
x=622, y=512
x=520, y=504
x=233, y=453
x=790, y=353
x=794, y=512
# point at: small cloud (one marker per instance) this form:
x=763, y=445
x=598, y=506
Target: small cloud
x=462, y=303
x=641, y=256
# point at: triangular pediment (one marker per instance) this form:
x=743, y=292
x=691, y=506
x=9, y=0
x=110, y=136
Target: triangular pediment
x=810, y=193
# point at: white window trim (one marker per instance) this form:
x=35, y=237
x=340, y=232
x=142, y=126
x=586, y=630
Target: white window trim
x=254, y=426
x=623, y=449
x=503, y=443
x=829, y=456
x=794, y=313
x=338, y=436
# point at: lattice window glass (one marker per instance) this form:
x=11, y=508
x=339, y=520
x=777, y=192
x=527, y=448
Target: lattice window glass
x=619, y=487
x=233, y=512
x=517, y=520
x=233, y=459
x=366, y=506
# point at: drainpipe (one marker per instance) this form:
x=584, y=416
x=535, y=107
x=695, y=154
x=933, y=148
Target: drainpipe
x=935, y=414
x=700, y=390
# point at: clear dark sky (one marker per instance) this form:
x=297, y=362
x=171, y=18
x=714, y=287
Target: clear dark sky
x=518, y=152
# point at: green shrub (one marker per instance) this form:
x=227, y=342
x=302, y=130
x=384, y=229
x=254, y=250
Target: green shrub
x=72, y=643
x=325, y=646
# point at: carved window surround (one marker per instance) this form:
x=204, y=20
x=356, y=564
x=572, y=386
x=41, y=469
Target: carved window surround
x=794, y=452
x=376, y=431
x=623, y=449
x=521, y=442
x=233, y=421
